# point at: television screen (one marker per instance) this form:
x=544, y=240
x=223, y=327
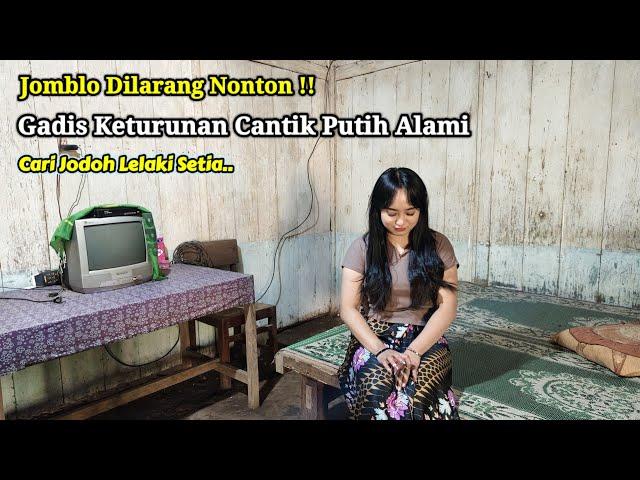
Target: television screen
x=114, y=245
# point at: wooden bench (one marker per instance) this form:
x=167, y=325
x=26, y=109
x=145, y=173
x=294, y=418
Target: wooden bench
x=316, y=359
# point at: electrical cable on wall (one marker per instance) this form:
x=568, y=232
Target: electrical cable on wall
x=286, y=235
x=202, y=256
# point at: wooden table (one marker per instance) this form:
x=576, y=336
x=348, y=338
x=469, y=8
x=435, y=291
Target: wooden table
x=86, y=321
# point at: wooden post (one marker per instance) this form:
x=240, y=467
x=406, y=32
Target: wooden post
x=273, y=333
x=187, y=340
x=1, y=404
x=222, y=345
x=312, y=404
x=251, y=341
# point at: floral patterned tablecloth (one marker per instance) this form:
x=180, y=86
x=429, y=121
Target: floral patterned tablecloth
x=35, y=332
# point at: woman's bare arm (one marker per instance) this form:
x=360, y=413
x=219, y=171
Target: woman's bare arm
x=350, y=311
x=442, y=317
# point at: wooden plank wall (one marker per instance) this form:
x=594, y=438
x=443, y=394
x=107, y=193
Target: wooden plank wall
x=543, y=197
x=268, y=195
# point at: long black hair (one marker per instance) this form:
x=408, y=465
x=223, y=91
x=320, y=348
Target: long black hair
x=426, y=269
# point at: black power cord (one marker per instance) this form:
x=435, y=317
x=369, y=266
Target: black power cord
x=55, y=297
x=190, y=246
x=111, y=354
x=286, y=235
x=200, y=256
x=278, y=251
x=203, y=258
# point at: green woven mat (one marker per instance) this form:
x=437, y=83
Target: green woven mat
x=329, y=346
x=505, y=367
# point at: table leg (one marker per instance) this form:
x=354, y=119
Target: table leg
x=187, y=340
x=1, y=405
x=222, y=343
x=251, y=338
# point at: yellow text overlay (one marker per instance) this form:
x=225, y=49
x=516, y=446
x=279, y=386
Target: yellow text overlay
x=106, y=163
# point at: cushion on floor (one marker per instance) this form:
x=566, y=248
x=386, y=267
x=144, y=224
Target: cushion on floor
x=616, y=347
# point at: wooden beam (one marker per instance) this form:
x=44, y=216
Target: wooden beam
x=121, y=398
x=279, y=363
x=322, y=63
x=232, y=372
x=203, y=364
x=341, y=63
x=222, y=344
x=333, y=156
x=1, y=405
x=240, y=337
x=312, y=404
x=187, y=338
x=253, y=385
x=297, y=66
x=321, y=371
x=363, y=67
x=228, y=370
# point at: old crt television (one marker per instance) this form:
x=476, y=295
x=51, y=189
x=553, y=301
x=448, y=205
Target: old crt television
x=106, y=253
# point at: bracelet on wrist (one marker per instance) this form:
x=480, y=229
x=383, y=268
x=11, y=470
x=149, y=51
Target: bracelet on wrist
x=413, y=351
x=382, y=350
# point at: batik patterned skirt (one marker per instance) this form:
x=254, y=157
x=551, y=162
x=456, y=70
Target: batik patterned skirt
x=370, y=390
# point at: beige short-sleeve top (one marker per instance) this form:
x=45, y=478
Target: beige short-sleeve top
x=355, y=259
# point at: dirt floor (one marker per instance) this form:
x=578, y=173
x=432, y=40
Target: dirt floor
x=201, y=399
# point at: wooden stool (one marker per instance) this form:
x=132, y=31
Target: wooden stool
x=234, y=318
x=223, y=254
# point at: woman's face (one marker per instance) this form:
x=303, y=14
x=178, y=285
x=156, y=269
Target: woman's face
x=400, y=217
